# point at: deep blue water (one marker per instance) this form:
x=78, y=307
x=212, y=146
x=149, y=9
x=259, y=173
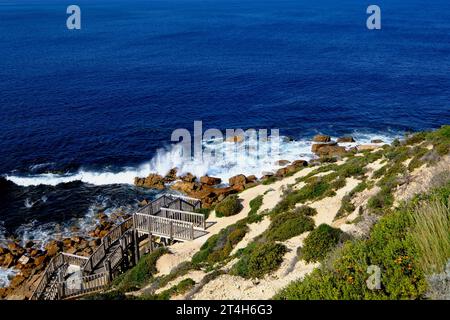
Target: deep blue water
x=110, y=94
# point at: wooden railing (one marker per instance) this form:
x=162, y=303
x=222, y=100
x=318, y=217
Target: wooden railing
x=197, y=219
x=171, y=201
x=116, y=256
x=195, y=202
x=61, y=259
x=73, y=259
x=88, y=284
x=108, y=240
x=164, y=227
x=177, y=222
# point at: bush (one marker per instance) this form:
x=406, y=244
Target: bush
x=320, y=242
x=139, y=275
x=315, y=189
x=229, y=206
x=269, y=180
x=305, y=210
x=430, y=232
x=181, y=288
x=344, y=277
x=255, y=204
x=259, y=259
x=287, y=225
x=381, y=201
x=346, y=208
x=219, y=246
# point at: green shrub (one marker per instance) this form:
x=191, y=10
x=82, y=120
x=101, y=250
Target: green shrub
x=305, y=210
x=219, y=246
x=315, y=189
x=287, y=225
x=181, y=288
x=380, y=201
x=320, y=242
x=338, y=183
x=346, y=208
x=259, y=259
x=269, y=180
x=228, y=206
x=344, y=276
x=255, y=204
x=140, y=274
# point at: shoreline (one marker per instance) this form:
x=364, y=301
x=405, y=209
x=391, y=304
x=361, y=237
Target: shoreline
x=171, y=182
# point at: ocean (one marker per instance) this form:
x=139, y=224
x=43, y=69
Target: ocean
x=85, y=111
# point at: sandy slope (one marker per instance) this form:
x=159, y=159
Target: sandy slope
x=184, y=251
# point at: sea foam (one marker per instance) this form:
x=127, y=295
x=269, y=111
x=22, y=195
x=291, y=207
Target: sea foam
x=171, y=157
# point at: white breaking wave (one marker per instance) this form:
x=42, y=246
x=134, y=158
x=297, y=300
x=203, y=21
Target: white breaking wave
x=42, y=233
x=239, y=162
x=3, y=239
x=5, y=276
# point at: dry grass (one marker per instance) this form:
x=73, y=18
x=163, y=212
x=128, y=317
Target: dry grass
x=431, y=235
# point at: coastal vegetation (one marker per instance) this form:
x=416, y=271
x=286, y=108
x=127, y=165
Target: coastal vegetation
x=259, y=259
x=385, y=206
x=141, y=274
x=320, y=242
x=228, y=207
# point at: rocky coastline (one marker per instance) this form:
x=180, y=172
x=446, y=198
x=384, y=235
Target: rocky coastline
x=29, y=259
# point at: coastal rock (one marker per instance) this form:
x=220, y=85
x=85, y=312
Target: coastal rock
x=185, y=187
x=16, y=281
x=321, y=138
x=15, y=249
x=252, y=178
x=53, y=247
x=40, y=261
x=316, y=147
x=282, y=162
x=238, y=180
x=188, y=177
x=29, y=244
x=331, y=151
x=8, y=260
x=171, y=175
x=210, y=181
x=286, y=170
x=345, y=139
x=376, y=141
x=153, y=181
x=300, y=163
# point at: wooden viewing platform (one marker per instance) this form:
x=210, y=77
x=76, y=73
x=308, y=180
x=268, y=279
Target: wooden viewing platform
x=170, y=217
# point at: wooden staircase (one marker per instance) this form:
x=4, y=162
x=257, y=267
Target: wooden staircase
x=168, y=217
